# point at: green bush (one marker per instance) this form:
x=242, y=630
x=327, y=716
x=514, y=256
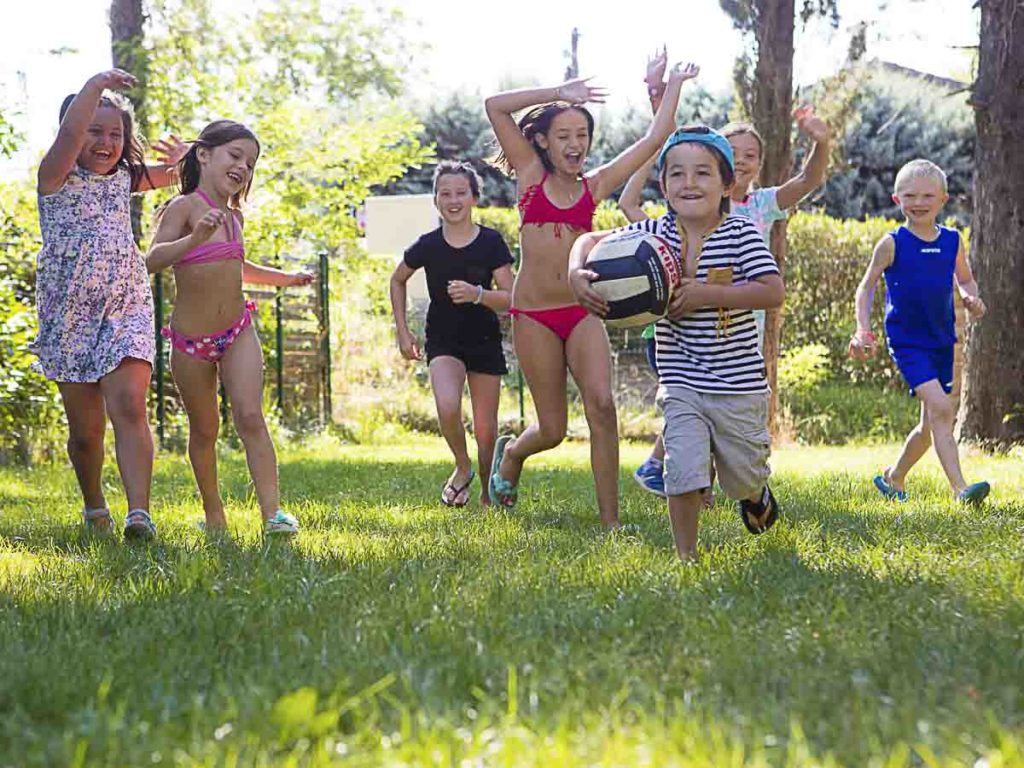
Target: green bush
x=839, y=412
x=804, y=368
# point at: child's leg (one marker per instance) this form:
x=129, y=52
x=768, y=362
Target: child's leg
x=484, y=392
x=941, y=418
x=447, y=379
x=197, y=385
x=683, y=510
x=590, y=363
x=658, y=451
x=241, y=369
x=541, y=357
x=687, y=439
x=916, y=446
x=124, y=392
x=87, y=421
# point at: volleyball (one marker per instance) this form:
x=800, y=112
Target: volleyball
x=637, y=272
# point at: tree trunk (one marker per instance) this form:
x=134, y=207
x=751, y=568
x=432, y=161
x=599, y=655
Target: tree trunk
x=771, y=102
x=992, y=406
x=126, y=30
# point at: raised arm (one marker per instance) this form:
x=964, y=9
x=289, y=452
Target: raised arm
x=257, y=274
x=812, y=175
x=863, y=341
x=629, y=200
x=164, y=173
x=614, y=174
x=513, y=143
x=61, y=157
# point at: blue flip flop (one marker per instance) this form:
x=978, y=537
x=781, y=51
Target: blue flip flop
x=890, y=493
x=502, y=491
x=974, y=493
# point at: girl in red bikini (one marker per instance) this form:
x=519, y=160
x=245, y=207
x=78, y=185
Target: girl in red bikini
x=200, y=235
x=552, y=333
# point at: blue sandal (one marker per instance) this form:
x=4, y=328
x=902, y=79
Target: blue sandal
x=98, y=520
x=974, y=493
x=139, y=526
x=502, y=491
x=890, y=493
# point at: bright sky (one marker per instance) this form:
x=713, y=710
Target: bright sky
x=48, y=48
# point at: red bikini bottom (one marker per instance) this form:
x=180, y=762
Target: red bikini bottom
x=559, y=320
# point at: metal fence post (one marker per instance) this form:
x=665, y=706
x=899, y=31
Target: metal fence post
x=325, y=335
x=158, y=315
x=279, y=313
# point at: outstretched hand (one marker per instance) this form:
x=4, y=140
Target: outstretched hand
x=683, y=72
x=114, y=80
x=170, y=150
x=579, y=92
x=809, y=123
x=656, y=66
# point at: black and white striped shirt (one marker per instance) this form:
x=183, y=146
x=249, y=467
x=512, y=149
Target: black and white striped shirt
x=715, y=350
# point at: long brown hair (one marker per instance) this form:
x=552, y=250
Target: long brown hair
x=537, y=122
x=133, y=155
x=216, y=134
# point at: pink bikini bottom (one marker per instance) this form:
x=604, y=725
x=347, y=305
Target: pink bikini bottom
x=559, y=320
x=212, y=347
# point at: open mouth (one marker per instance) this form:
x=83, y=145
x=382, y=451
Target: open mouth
x=235, y=177
x=102, y=154
x=574, y=158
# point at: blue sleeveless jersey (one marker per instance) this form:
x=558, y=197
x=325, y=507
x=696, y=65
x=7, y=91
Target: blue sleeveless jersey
x=919, y=290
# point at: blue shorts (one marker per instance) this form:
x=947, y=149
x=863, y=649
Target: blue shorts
x=652, y=356
x=918, y=365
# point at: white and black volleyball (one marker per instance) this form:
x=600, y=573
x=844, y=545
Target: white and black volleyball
x=637, y=274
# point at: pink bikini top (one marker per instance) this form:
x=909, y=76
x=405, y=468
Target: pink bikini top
x=222, y=251
x=536, y=208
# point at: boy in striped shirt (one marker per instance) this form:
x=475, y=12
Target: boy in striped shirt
x=712, y=385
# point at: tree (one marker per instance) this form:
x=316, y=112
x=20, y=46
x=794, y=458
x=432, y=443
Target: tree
x=127, y=53
x=992, y=406
x=767, y=97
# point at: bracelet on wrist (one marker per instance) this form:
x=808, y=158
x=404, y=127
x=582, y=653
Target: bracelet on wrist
x=479, y=294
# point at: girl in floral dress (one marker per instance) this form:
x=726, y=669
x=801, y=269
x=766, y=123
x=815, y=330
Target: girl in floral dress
x=96, y=335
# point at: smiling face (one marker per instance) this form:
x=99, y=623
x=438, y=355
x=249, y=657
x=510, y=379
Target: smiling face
x=921, y=197
x=567, y=142
x=228, y=167
x=746, y=150
x=104, y=141
x=692, y=183
x=454, y=198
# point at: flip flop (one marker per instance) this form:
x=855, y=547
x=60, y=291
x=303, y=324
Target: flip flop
x=502, y=491
x=748, y=510
x=456, y=492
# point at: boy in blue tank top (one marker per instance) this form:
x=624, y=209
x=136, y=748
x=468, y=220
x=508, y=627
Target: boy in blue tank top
x=919, y=261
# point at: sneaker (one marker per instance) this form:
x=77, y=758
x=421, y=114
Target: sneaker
x=139, y=526
x=281, y=524
x=974, y=493
x=650, y=476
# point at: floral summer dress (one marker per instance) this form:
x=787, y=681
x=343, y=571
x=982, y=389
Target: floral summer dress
x=93, y=297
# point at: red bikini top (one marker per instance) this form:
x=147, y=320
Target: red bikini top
x=536, y=208
x=222, y=251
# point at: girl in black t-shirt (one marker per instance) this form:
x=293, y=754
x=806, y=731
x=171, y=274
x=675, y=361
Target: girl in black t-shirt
x=469, y=279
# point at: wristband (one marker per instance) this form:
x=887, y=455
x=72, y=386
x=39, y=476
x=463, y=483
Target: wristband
x=868, y=335
x=479, y=294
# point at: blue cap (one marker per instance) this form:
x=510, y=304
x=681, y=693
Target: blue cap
x=700, y=135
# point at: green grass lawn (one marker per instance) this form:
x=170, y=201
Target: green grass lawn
x=395, y=631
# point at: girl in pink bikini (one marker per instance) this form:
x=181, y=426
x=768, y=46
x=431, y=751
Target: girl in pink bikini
x=200, y=235
x=552, y=333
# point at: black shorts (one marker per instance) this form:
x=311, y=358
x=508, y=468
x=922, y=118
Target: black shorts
x=479, y=357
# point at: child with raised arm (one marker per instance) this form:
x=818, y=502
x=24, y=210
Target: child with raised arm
x=712, y=386
x=93, y=298
x=919, y=261
x=469, y=279
x=552, y=333
x=211, y=332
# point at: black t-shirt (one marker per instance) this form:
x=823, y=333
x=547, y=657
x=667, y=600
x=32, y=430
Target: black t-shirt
x=474, y=264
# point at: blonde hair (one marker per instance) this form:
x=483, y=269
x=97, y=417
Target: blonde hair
x=920, y=168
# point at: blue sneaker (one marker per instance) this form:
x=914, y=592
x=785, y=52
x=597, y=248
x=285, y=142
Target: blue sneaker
x=651, y=477
x=888, y=491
